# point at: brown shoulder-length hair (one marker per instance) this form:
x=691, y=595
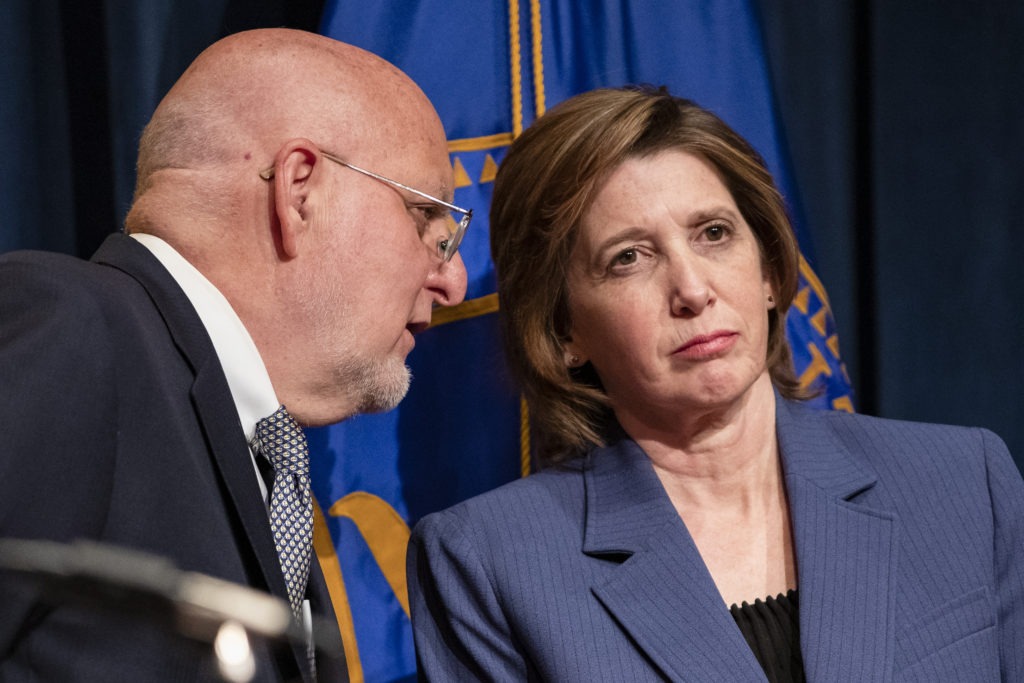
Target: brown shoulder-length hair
x=547, y=181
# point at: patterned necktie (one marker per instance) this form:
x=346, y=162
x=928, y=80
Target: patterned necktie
x=281, y=440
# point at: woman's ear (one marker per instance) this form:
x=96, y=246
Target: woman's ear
x=571, y=356
x=769, y=294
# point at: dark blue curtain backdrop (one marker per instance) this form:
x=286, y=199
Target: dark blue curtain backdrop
x=904, y=122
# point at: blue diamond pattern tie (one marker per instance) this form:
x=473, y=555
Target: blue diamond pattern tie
x=281, y=440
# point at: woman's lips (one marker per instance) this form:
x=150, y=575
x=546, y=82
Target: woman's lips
x=706, y=346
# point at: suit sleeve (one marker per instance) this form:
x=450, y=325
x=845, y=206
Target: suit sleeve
x=460, y=629
x=1007, y=490
x=57, y=417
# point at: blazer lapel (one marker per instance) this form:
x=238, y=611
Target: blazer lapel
x=231, y=455
x=211, y=398
x=661, y=593
x=845, y=553
x=214, y=408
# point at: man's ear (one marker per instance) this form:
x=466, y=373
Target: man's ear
x=294, y=168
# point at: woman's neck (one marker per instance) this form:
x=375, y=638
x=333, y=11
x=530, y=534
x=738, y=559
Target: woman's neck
x=724, y=478
x=732, y=445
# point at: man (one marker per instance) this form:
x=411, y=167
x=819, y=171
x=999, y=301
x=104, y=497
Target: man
x=270, y=260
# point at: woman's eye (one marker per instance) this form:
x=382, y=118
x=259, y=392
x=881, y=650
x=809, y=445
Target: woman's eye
x=715, y=232
x=625, y=258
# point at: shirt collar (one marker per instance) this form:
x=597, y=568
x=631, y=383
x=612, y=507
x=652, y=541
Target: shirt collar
x=243, y=366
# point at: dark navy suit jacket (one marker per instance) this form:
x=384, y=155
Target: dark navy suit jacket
x=909, y=544
x=117, y=425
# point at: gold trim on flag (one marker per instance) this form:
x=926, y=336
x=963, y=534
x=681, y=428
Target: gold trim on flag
x=327, y=556
x=538, y=59
x=515, y=65
x=481, y=143
x=467, y=309
x=814, y=282
x=524, y=437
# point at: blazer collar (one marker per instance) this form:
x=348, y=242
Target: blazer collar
x=811, y=450
x=663, y=596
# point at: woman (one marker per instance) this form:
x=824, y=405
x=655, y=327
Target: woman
x=695, y=522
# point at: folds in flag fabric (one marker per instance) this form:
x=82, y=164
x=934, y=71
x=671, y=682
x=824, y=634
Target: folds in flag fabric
x=491, y=69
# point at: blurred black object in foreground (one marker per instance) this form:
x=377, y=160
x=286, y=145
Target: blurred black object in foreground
x=217, y=618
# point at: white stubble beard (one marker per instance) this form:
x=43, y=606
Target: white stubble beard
x=380, y=386
x=372, y=385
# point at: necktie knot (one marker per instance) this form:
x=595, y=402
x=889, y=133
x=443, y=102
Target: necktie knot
x=282, y=442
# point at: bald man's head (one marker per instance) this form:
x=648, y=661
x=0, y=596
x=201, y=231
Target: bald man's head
x=246, y=94
x=330, y=270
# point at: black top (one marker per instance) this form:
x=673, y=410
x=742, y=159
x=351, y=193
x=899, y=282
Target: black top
x=772, y=629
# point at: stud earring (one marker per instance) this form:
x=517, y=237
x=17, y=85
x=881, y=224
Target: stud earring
x=771, y=299
x=574, y=360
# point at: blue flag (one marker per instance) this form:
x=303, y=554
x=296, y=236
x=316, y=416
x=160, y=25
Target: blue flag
x=490, y=69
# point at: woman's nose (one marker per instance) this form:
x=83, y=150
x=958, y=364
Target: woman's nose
x=690, y=291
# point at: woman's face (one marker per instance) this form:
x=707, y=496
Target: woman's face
x=667, y=296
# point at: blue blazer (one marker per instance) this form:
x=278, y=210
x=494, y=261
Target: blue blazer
x=909, y=542
x=117, y=425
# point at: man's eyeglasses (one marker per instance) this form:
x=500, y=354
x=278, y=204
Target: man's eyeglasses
x=446, y=247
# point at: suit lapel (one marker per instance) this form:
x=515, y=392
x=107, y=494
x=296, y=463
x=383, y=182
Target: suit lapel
x=231, y=456
x=661, y=594
x=845, y=553
x=211, y=397
x=215, y=410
